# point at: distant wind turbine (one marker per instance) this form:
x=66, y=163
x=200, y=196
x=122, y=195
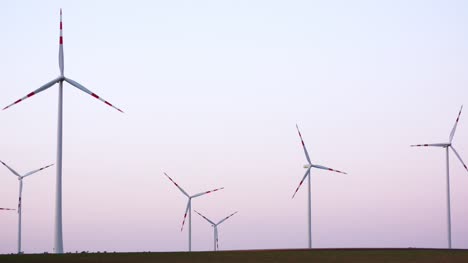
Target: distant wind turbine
x=448, y=145
x=20, y=179
x=189, y=207
x=308, y=166
x=58, y=236
x=215, y=228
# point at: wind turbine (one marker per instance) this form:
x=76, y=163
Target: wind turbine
x=58, y=236
x=447, y=145
x=215, y=228
x=309, y=166
x=20, y=179
x=189, y=207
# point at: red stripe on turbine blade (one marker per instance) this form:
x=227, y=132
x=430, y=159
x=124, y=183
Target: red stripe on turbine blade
x=18, y=101
x=60, y=25
x=108, y=103
x=94, y=95
x=61, y=40
x=183, y=222
x=31, y=94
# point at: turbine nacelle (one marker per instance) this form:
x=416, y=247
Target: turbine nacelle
x=307, y=166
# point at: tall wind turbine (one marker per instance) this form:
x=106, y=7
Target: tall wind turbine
x=189, y=208
x=215, y=228
x=309, y=166
x=20, y=179
x=448, y=145
x=58, y=236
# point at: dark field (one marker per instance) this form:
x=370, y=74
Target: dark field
x=259, y=256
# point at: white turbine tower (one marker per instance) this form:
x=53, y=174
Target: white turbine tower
x=215, y=228
x=448, y=145
x=309, y=166
x=20, y=179
x=189, y=208
x=58, y=236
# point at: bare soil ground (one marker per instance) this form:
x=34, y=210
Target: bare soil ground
x=258, y=256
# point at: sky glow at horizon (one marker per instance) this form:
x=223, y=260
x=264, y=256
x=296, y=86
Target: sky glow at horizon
x=212, y=91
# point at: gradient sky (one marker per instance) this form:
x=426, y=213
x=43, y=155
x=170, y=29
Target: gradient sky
x=212, y=91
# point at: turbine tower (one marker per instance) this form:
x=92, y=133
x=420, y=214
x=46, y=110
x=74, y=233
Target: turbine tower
x=447, y=145
x=215, y=228
x=20, y=179
x=58, y=236
x=189, y=208
x=309, y=166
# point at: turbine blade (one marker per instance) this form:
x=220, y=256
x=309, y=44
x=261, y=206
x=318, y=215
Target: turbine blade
x=326, y=168
x=11, y=169
x=61, y=62
x=180, y=188
x=204, y=217
x=42, y=88
x=185, y=215
x=226, y=218
x=217, y=239
x=7, y=209
x=452, y=133
x=82, y=88
x=303, y=178
x=459, y=158
x=35, y=171
x=303, y=145
x=431, y=145
x=207, y=192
